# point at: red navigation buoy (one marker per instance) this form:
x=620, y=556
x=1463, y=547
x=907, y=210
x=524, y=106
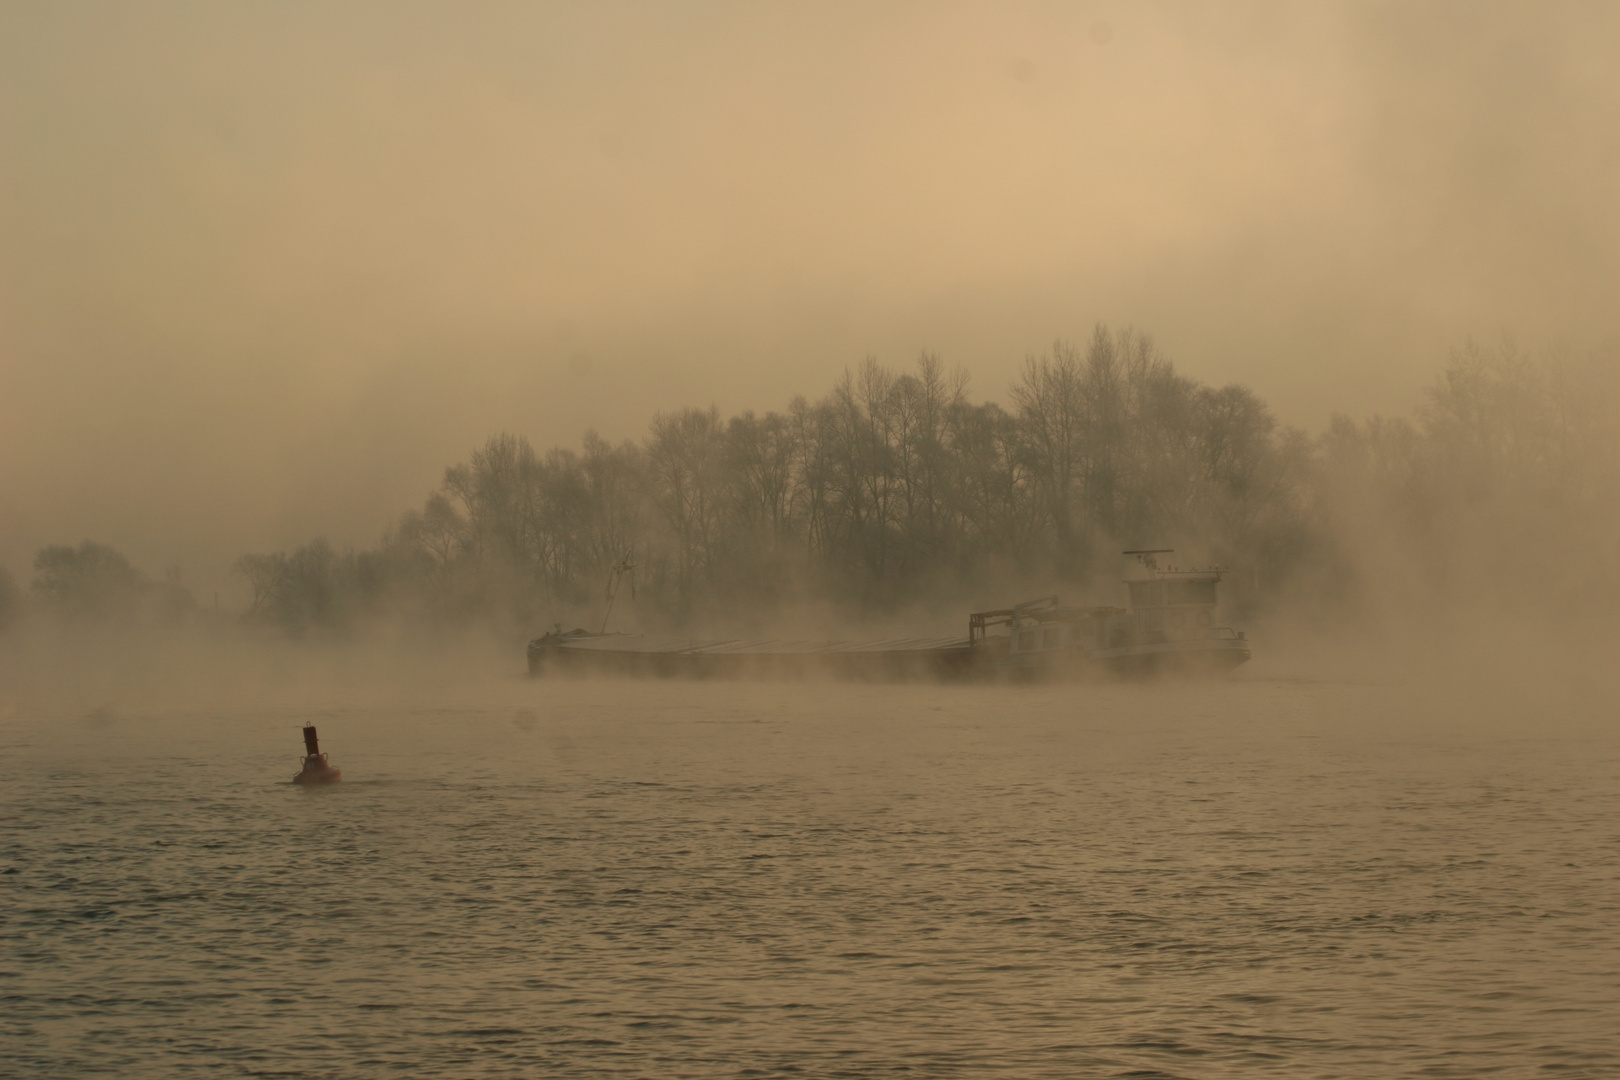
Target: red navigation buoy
x=316, y=770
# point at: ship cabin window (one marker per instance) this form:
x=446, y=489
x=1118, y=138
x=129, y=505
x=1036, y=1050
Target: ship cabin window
x=1146, y=593
x=1189, y=592
x=1026, y=641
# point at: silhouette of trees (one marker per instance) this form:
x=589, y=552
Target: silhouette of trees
x=891, y=484
x=91, y=579
x=312, y=586
x=894, y=485
x=1121, y=449
x=1504, y=486
x=686, y=480
x=97, y=581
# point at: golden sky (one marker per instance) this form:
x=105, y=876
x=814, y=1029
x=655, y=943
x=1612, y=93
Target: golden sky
x=266, y=269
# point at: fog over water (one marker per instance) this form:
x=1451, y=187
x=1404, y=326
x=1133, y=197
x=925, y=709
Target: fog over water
x=344, y=349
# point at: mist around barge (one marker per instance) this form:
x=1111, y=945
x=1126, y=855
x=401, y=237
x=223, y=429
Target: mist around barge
x=347, y=349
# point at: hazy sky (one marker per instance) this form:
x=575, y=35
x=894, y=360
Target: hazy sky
x=266, y=269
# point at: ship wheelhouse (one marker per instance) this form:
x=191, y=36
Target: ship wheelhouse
x=1170, y=621
x=1174, y=605
x=1172, y=613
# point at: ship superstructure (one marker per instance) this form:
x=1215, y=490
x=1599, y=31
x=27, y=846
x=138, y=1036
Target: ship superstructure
x=1170, y=626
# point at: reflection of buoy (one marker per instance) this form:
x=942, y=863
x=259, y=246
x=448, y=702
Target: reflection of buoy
x=316, y=770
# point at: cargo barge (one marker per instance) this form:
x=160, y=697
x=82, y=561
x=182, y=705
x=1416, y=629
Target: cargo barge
x=1169, y=627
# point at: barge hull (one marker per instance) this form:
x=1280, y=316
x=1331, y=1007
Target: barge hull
x=1169, y=629
x=626, y=655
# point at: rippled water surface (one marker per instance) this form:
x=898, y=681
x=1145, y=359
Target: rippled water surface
x=671, y=880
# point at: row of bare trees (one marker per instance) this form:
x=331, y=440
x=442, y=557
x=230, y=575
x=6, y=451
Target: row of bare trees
x=894, y=486
x=891, y=485
x=92, y=582
x=1499, y=496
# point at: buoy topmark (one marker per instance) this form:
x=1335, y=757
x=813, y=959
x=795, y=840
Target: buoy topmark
x=316, y=770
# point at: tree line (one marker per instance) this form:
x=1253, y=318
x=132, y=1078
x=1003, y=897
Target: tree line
x=1500, y=496
x=894, y=487
x=890, y=487
x=95, y=582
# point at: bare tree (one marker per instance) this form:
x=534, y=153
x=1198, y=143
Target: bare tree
x=685, y=455
x=1052, y=422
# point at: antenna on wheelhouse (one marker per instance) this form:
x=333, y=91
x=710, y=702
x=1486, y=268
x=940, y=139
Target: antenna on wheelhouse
x=1146, y=556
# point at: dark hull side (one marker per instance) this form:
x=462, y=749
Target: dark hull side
x=965, y=662
x=877, y=666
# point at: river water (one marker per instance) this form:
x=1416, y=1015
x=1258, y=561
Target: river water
x=1252, y=878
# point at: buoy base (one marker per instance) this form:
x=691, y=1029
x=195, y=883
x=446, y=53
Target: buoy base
x=318, y=771
x=327, y=776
